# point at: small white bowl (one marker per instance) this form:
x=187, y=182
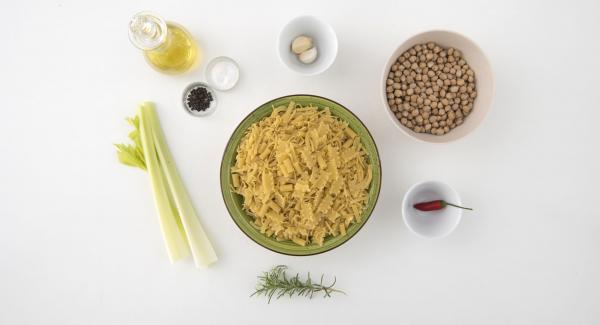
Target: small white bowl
x=213, y=104
x=484, y=80
x=323, y=37
x=431, y=224
x=222, y=73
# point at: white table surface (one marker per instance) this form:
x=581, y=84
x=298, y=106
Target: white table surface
x=80, y=241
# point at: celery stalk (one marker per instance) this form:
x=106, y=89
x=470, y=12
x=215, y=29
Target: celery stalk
x=174, y=238
x=199, y=244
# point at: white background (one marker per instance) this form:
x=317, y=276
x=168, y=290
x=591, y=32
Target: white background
x=80, y=241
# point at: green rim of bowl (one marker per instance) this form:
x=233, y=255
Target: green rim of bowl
x=233, y=201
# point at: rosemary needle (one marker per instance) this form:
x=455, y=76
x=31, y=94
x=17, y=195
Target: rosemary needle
x=276, y=283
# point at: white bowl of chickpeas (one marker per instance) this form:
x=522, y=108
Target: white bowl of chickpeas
x=437, y=86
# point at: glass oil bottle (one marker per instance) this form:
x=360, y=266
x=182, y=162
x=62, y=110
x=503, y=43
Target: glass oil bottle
x=167, y=46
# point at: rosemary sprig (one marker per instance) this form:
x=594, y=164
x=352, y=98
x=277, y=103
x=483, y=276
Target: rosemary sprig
x=275, y=283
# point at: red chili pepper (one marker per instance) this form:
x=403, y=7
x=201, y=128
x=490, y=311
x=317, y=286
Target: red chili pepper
x=435, y=205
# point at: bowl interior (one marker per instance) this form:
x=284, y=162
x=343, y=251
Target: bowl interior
x=431, y=224
x=324, y=39
x=483, y=76
x=233, y=201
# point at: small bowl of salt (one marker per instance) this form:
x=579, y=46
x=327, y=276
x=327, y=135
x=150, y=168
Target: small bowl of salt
x=222, y=73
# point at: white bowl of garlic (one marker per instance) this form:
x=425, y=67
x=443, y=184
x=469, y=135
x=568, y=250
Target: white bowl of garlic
x=307, y=45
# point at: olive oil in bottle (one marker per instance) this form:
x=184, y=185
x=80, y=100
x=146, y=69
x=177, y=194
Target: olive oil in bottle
x=167, y=46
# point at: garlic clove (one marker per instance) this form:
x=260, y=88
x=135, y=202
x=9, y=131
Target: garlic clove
x=301, y=44
x=308, y=56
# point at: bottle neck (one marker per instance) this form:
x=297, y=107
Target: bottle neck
x=166, y=43
x=148, y=31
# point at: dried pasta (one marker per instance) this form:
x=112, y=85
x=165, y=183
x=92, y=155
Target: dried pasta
x=303, y=174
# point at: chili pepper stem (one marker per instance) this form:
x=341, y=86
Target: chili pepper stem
x=457, y=206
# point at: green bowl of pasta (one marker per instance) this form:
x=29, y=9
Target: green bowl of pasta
x=300, y=175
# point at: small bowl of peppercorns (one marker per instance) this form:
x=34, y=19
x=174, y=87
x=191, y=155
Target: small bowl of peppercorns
x=437, y=86
x=199, y=99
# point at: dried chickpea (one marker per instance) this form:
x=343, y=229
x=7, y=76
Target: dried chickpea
x=431, y=89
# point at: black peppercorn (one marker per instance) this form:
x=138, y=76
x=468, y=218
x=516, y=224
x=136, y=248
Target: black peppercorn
x=199, y=99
